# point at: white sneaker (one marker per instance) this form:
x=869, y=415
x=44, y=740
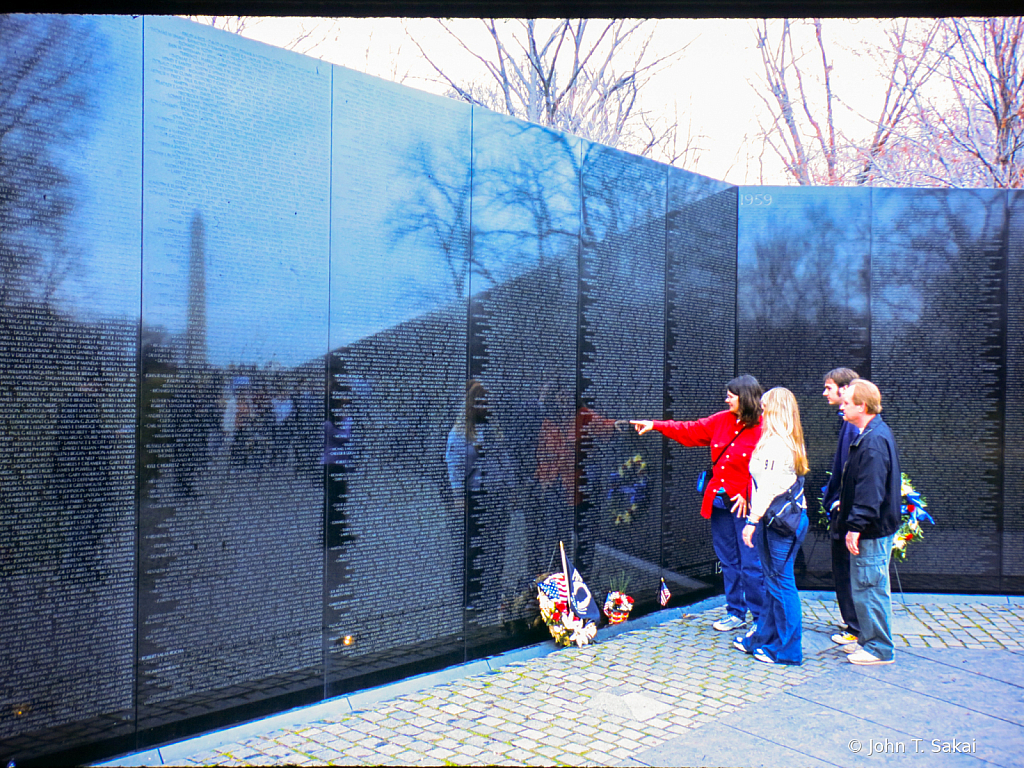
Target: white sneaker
x=843, y=638
x=865, y=658
x=728, y=623
x=850, y=648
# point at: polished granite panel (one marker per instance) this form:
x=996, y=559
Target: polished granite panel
x=938, y=355
x=235, y=256
x=621, y=353
x=522, y=365
x=69, y=311
x=1012, y=558
x=399, y=272
x=802, y=302
x=700, y=319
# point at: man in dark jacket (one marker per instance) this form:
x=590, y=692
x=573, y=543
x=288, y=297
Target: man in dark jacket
x=869, y=515
x=836, y=382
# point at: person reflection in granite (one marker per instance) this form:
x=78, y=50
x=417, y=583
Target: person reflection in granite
x=309, y=408
x=337, y=441
x=338, y=462
x=246, y=431
x=82, y=462
x=556, y=447
x=462, y=451
x=282, y=405
x=261, y=425
x=191, y=416
x=231, y=406
x=547, y=519
x=556, y=468
x=563, y=428
x=731, y=435
x=530, y=522
x=463, y=455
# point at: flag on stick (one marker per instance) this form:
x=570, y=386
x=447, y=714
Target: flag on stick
x=581, y=602
x=554, y=587
x=663, y=594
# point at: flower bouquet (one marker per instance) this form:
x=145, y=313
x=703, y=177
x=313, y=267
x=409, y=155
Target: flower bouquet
x=565, y=627
x=628, y=489
x=617, y=607
x=912, y=512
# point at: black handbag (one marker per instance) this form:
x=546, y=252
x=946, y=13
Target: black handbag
x=786, y=510
x=705, y=474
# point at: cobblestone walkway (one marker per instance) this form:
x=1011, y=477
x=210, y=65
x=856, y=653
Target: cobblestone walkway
x=601, y=704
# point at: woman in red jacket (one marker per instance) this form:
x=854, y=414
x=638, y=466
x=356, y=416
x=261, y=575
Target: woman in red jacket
x=731, y=435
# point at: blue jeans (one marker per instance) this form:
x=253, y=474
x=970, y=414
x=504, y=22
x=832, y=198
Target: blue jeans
x=741, y=567
x=869, y=582
x=780, y=629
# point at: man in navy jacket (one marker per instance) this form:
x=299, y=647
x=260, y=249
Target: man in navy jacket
x=836, y=382
x=869, y=515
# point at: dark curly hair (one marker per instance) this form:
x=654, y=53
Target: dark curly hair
x=749, y=392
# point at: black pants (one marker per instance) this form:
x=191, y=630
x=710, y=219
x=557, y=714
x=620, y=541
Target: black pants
x=844, y=593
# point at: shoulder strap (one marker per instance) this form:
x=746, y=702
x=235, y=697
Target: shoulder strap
x=715, y=462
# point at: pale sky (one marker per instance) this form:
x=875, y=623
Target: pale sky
x=709, y=86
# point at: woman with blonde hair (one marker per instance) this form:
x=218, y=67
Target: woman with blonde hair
x=777, y=467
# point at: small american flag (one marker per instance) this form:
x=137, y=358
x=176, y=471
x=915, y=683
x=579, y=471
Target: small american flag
x=663, y=594
x=554, y=587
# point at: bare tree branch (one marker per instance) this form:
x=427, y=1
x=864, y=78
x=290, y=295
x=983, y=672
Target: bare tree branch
x=575, y=75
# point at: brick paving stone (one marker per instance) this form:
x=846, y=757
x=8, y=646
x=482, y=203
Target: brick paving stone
x=358, y=751
x=449, y=743
x=623, y=753
x=461, y=731
x=531, y=733
x=602, y=745
x=548, y=751
x=262, y=760
x=575, y=759
x=587, y=730
x=441, y=754
x=205, y=757
x=540, y=762
x=517, y=754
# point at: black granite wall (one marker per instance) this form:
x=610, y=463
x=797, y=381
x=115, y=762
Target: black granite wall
x=304, y=374
x=919, y=291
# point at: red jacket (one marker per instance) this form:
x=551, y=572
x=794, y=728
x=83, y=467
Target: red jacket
x=732, y=472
